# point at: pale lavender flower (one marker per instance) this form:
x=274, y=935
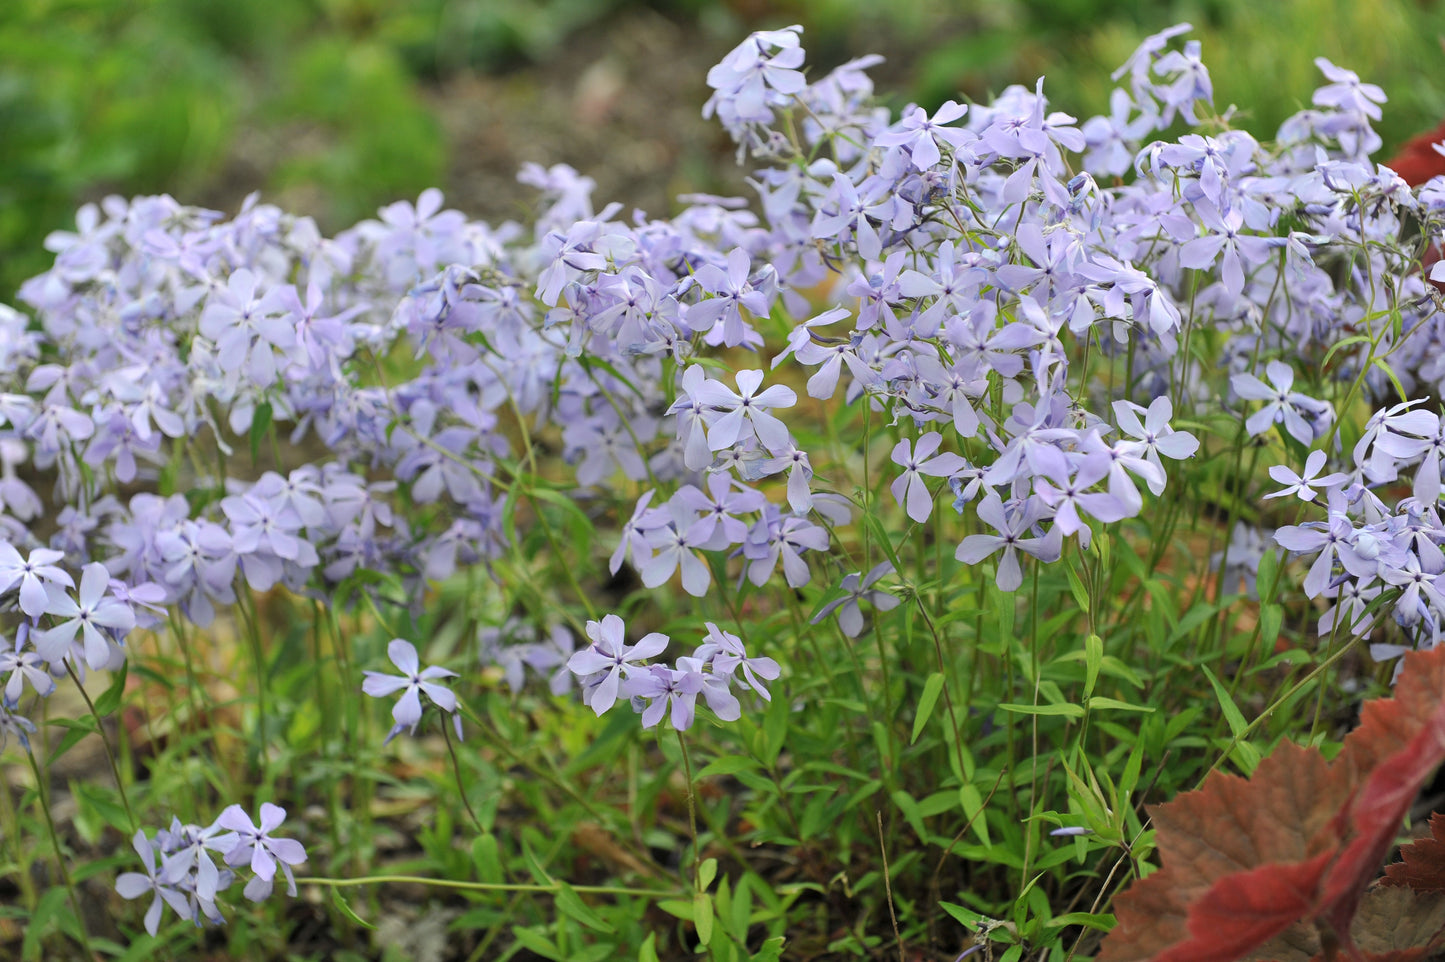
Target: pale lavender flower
x=724, y=499
x=87, y=614
x=716, y=689
x=552, y=653
x=1422, y=592
x=746, y=414
x=918, y=134
x=1155, y=436
x=413, y=682
x=612, y=659
x=1011, y=527
x=777, y=538
x=187, y=857
x=133, y=885
x=23, y=666
x=856, y=589
x=755, y=76
x=256, y=846
x=1225, y=234
x=245, y=325
x=726, y=653
x=31, y=575
x=731, y=291
x=633, y=542
x=1282, y=404
x=1303, y=485
x=18, y=725
x=1073, y=495
x=693, y=416
x=909, y=489
x=666, y=688
x=675, y=546
x=1346, y=92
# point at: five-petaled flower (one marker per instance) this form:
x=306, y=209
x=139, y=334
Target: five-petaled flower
x=413, y=682
x=256, y=846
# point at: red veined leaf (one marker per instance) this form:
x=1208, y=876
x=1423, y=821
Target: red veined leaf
x=1423, y=868
x=1399, y=744
x=1246, y=859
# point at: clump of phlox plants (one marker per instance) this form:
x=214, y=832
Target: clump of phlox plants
x=836, y=571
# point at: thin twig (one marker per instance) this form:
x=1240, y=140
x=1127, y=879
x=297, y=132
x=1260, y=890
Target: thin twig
x=888, y=886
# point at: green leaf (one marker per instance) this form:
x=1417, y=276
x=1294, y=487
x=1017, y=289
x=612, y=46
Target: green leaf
x=1069, y=711
x=51, y=904
x=1195, y=617
x=706, y=872
x=1076, y=585
x=1232, y=714
x=340, y=902
x=771, y=950
x=775, y=727
x=535, y=867
x=1267, y=578
x=702, y=916
x=260, y=424
x=677, y=908
x=875, y=527
x=1093, y=658
x=487, y=858
x=537, y=942
x=911, y=814
x=1245, y=755
x=1101, y=921
x=968, y=918
x=103, y=802
x=972, y=802
x=1117, y=705
x=727, y=765
x=75, y=731
x=1271, y=618
x=570, y=904
x=648, y=950
x=109, y=699
x=931, y=690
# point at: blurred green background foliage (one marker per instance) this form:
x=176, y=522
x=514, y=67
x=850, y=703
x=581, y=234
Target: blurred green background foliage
x=335, y=107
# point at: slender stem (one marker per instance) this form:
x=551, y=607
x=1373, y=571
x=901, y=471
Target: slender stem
x=552, y=889
x=253, y=635
x=888, y=888
x=42, y=792
x=13, y=833
x=691, y=812
x=109, y=753
x=457, y=768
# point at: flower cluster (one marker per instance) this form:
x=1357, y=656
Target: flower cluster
x=1036, y=314
x=610, y=668
x=187, y=878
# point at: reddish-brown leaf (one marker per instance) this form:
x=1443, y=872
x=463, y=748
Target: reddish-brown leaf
x=1392, y=925
x=1423, y=868
x=1396, y=920
x=1399, y=744
x=1417, y=161
x=1245, y=859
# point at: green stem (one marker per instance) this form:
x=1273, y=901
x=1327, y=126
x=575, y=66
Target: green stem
x=13, y=833
x=42, y=792
x=259, y=748
x=109, y=753
x=691, y=812
x=457, y=768
x=551, y=889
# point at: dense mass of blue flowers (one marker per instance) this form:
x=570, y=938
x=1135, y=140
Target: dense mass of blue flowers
x=964, y=260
